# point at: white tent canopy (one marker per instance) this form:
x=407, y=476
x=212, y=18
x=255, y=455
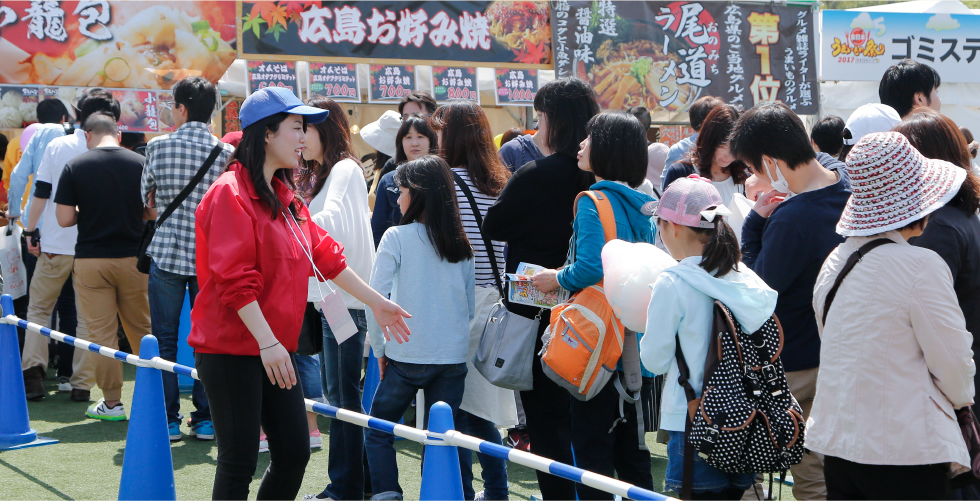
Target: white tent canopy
x=959, y=100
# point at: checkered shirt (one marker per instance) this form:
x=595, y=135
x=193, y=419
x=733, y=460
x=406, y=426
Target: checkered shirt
x=171, y=163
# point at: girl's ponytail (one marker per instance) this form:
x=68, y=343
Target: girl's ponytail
x=721, y=252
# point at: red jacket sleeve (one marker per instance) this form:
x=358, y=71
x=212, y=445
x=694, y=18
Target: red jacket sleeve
x=328, y=254
x=228, y=223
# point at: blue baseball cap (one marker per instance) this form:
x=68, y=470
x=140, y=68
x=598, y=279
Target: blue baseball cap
x=271, y=100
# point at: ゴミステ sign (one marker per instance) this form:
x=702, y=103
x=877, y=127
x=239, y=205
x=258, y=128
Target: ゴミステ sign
x=120, y=44
x=390, y=83
x=335, y=81
x=515, y=87
x=262, y=74
x=862, y=45
x=503, y=31
x=450, y=83
x=665, y=55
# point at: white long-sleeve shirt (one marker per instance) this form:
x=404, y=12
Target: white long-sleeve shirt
x=341, y=208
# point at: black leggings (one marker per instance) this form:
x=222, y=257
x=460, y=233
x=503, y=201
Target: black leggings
x=242, y=398
x=850, y=480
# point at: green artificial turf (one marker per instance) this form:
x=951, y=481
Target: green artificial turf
x=87, y=463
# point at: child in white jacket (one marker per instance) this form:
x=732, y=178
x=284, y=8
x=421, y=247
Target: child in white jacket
x=690, y=222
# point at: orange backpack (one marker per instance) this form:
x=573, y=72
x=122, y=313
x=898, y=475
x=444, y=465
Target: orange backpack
x=584, y=342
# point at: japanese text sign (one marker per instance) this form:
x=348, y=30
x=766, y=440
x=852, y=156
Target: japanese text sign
x=18, y=106
x=672, y=134
x=335, y=81
x=390, y=83
x=665, y=55
x=118, y=44
x=503, y=31
x=262, y=74
x=862, y=45
x=450, y=83
x=516, y=87
x=165, y=110
x=229, y=120
x=139, y=111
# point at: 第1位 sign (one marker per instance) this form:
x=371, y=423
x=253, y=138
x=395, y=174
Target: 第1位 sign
x=516, y=87
x=335, y=81
x=450, y=83
x=391, y=83
x=262, y=74
x=665, y=55
x=862, y=45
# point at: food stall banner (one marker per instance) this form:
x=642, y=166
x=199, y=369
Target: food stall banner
x=262, y=74
x=18, y=106
x=862, y=45
x=229, y=117
x=672, y=134
x=665, y=55
x=504, y=32
x=449, y=83
x=118, y=44
x=165, y=110
x=139, y=110
x=390, y=83
x=335, y=81
x=515, y=87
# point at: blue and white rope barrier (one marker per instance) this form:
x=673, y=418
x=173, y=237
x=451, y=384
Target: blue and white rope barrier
x=451, y=437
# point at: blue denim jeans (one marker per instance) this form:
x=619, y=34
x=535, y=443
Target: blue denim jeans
x=166, y=291
x=494, y=469
x=441, y=382
x=707, y=478
x=341, y=371
x=308, y=373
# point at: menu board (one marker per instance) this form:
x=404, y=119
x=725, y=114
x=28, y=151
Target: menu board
x=390, y=83
x=139, y=111
x=18, y=106
x=229, y=117
x=335, y=81
x=450, y=83
x=516, y=87
x=262, y=74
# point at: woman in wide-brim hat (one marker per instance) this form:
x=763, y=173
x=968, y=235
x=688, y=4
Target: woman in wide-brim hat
x=895, y=357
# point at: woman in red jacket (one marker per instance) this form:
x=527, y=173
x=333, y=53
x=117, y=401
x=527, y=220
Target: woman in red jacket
x=256, y=250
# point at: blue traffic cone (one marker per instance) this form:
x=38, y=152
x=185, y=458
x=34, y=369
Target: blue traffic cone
x=440, y=467
x=15, y=424
x=148, y=468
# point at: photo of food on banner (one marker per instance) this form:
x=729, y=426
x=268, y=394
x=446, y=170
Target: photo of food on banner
x=165, y=110
x=18, y=106
x=665, y=55
x=138, y=111
x=141, y=45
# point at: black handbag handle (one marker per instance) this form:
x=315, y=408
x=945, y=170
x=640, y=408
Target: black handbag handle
x=491, y=252
x=191, y=185
x=848, y=266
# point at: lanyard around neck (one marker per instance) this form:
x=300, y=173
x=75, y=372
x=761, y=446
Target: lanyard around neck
x=307, y=250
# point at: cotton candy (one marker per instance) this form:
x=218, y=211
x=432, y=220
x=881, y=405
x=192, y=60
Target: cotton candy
x=628, y=271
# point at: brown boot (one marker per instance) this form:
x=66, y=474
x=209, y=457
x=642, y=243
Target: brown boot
x=80, y=395
x=34, y=383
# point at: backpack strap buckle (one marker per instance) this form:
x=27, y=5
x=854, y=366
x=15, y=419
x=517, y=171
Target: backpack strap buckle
x=769, y=372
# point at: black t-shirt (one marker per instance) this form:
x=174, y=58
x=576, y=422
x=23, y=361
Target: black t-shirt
x=104, y=183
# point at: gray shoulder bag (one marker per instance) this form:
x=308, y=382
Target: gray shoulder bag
x=505, y=354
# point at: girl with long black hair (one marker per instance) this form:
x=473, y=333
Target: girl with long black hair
x=257, y=249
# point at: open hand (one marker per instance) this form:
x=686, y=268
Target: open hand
x=391, y=318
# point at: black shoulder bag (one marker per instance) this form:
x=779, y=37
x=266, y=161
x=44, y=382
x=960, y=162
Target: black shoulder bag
x=150, y=229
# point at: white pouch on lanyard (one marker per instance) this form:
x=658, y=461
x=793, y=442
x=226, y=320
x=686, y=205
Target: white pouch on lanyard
x=12, y=262
x=331, y=305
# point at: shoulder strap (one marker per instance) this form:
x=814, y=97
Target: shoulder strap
x=491, y=252
x=606, y=214
x=848, y=266
x=191, y=185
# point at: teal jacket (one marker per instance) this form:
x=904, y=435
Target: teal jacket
x=634, y=223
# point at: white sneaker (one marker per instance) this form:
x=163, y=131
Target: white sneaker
x=263, y=443
x=63, y=385
x=100, y=410
x=316, y=440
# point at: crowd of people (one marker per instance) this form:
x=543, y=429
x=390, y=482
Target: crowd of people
x=297, y=258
